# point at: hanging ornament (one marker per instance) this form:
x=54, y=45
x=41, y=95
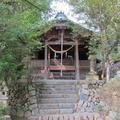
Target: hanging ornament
x=66, y=54
x=55, y=55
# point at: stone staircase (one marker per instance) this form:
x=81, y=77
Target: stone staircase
x=56, y=96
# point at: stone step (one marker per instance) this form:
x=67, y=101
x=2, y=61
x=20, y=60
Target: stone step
x=58, y=96
x=56, y=89
x=55, y=111
x=56, y=106
x=63, y=78
x=53, y=91
x=56, y=82
x=74, y=116
x=56, y=86
x=57, y=100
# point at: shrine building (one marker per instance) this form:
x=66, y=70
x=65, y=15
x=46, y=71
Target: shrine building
x=64, y=55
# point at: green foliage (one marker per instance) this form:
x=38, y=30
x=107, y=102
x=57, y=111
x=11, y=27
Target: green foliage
x=104, y=15
x=20, y=25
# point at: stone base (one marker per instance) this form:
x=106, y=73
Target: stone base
x=92, y=76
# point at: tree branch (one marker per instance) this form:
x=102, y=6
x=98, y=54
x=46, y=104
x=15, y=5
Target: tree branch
x=32, y=4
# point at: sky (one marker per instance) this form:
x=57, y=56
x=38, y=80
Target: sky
x=62, y=6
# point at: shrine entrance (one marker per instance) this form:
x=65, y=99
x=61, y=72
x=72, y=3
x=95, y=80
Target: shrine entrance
x=61, y=57
x=61, y=61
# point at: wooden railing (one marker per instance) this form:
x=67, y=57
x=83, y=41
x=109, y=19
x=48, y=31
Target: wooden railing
x=37, y=68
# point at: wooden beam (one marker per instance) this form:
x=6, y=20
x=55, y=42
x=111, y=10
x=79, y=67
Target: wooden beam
x=58, y=43
x=63, y=67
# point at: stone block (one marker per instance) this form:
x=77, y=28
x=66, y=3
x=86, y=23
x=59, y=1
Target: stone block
x=35, y=112
x=32, y=93
x=28, y=114
x=33, y=106
x=65, y=118
x=92, y=76
x=51, y=118
x=33, y=100
x=118, y=74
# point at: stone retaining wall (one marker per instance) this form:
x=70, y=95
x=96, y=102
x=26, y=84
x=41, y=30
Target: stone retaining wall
x=82, y=116
x=89, y=99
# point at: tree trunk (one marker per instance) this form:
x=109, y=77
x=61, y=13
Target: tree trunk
x=107, y=71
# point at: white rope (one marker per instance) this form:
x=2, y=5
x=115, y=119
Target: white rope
x=63, y=51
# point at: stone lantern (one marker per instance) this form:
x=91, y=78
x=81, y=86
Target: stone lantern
x=92, y=75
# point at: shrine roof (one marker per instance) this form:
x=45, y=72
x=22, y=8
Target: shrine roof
x=62, y=22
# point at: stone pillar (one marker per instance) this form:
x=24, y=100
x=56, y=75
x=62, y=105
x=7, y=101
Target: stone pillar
x=92, y=64
x=92, y=75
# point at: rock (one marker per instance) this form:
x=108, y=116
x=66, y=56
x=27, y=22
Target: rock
x=32, y=93
x=6, y=117
x=118, y=74
x=112, y=115
x=83, y=97
x=35, y=112
x=33, y=106
x=86, y=92
x=99, y=119
x=28, y=114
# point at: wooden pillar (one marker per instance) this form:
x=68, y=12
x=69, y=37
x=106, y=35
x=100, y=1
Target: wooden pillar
x=77, y=60
x=48, y=65
x=46, y=62
x=62, y=34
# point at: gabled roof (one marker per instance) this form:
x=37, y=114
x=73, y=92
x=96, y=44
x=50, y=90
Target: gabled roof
x=62, y=22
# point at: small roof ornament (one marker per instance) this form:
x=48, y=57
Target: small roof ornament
x=61, y=16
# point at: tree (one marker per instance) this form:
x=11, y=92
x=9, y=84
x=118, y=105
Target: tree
x=104, y=15
x=21, y=23
x=18, y=32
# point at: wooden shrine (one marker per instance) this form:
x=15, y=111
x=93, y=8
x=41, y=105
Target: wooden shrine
x=63, y=53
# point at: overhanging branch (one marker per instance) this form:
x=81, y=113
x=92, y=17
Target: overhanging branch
x=32, y=4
